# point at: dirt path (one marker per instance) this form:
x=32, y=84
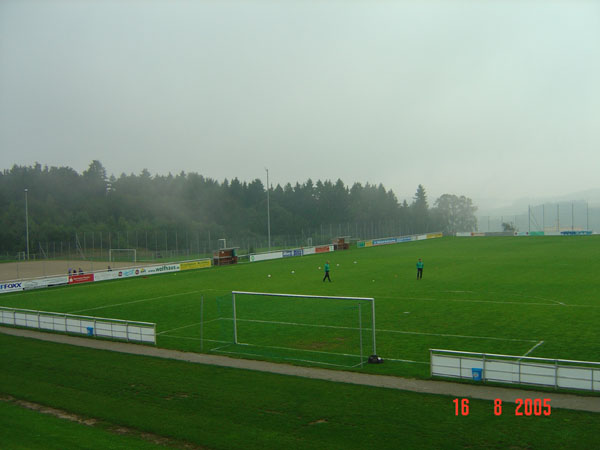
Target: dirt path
x=45, y=268
x=566, y=401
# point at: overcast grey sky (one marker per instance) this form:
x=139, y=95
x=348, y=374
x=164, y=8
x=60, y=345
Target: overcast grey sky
x=493, y=99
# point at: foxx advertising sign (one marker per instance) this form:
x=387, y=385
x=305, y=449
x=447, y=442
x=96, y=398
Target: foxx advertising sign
x=11, y=287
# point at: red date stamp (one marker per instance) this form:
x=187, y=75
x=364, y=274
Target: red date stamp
x=523, y=407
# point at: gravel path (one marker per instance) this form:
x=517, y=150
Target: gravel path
x=566, y=401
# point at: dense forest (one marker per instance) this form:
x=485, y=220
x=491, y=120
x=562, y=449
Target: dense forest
x=62, y=202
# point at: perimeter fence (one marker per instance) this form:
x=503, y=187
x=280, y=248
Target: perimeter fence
x=547, y=217
x=175, y=244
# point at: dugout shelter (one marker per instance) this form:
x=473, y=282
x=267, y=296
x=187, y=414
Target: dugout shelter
x=225, y=256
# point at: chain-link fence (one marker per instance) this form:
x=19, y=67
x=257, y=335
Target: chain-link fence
x=164, y=245
x=563, y=216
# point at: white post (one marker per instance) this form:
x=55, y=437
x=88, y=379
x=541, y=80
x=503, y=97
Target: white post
x=268, y=211
x=201, y=321
x=360, y=335
x=27, y=224
x=373, y=314
x=235, y=341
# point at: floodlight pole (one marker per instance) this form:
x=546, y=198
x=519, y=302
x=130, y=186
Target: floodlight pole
x=27, y=224
x=268, y=211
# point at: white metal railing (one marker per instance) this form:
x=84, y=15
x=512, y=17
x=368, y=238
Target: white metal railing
x=127, y=330
x=557, y=373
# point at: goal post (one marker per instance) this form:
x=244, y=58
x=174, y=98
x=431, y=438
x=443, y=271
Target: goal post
x=122, y=255
x=319, y=329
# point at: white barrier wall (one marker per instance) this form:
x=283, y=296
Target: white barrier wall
x=558, y=373
x=90, y=326
x=291, y=253
x=44, y=282
x=266, y=256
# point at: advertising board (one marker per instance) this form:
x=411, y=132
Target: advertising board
x=84, y=278
x=160, y=269
x=11, y=287
x=108, y=275
x=384, y=241
x=195, y=264
x=266, y=256
x=40, y=283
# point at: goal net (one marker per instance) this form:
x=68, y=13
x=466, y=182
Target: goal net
x=122, y=255
x=334, y=331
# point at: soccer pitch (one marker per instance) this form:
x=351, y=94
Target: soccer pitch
x=535, y=296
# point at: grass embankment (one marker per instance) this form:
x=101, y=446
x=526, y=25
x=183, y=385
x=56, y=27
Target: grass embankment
x=223, y=408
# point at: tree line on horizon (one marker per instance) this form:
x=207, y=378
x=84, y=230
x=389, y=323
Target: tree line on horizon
x=62, y=202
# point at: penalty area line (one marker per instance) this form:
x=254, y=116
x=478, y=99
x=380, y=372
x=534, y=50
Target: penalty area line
x=132, y=302
x=533, y=348
x=188, y=326
x=380, y=330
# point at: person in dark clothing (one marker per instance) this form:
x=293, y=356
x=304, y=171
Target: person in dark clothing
x=326, y=277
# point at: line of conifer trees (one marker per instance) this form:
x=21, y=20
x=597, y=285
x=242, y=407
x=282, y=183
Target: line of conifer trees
x=62, y=202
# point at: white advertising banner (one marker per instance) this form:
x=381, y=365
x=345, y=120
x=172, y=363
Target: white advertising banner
x=265, y=256
x=40, y=283
x=12, y=286
x=159, y=269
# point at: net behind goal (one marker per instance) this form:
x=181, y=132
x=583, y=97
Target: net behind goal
x=324, y=330
x=122, y=255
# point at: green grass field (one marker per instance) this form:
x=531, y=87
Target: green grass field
x=209, y=407
x=494, y=295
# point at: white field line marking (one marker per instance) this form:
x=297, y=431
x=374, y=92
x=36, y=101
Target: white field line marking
x=262, y=346
x=187, y=326
x=508, y=295
x=557, y=303
x=196, y=339
x=132, y=302
x=407, y=361
x=299, y=350
x=379, y=330
x=554, y=302
x=286, y=359
x=228, y=343
x=460, y=292
x=473, y=301
x=457, y=335
x=533, y=348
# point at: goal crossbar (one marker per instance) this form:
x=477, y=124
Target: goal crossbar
x=274, y=294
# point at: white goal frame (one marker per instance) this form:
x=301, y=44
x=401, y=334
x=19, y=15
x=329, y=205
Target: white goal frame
x=111, y=250
x=272, y=294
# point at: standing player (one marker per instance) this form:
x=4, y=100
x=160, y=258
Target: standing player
x=419, y=269
x=326, y=272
